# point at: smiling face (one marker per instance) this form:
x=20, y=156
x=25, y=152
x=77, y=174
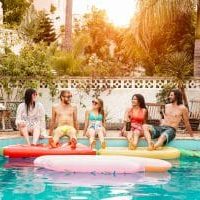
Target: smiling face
x=172, y=97
x=95, y=104
x=135, y=101
x=34, y=97
x=66, y=97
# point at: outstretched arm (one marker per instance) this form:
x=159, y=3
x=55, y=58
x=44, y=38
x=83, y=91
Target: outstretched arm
x=42, y=119
x=53, y=121
x=76, y=126
x=86, y=123
x=186, y=121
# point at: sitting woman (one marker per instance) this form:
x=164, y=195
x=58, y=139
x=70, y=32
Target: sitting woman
x=30, y=117
x=134, y=119
x=95, y=123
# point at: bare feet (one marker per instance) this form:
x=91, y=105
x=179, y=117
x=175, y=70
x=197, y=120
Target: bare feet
x=52, y=143
x=157, y=148
x=93, y=145
x=73, y=143
x=131, y=146
x=150, y=147
x=103, y=145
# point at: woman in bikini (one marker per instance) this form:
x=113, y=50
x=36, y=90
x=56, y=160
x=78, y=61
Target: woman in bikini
x=95, y=123
x=136, y=116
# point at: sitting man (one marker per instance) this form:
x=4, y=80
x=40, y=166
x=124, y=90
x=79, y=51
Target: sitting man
x=65, y=115
x=174, y=112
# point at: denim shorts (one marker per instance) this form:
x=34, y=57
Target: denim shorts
x=168, y=131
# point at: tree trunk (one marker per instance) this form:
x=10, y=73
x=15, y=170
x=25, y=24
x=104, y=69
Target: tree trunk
x=197, y=44
x=185, y=100
x=67, y=44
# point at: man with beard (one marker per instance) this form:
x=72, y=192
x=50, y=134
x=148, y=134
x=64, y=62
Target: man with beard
x=65, y=116
x=166, y=132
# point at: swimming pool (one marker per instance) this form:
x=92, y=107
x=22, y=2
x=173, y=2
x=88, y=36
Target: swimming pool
x=26, y=182
x=20, y=180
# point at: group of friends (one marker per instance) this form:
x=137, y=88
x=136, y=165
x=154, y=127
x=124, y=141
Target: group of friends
x=30, y=120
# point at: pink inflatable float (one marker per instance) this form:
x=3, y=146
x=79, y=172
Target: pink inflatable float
x=88, y=164
x=92, y=179
x=101, y=164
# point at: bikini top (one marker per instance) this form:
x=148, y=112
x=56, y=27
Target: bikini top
x=139, y=118
x=93, y=117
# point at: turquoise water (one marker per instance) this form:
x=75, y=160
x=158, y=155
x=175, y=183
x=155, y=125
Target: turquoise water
x=19, y=180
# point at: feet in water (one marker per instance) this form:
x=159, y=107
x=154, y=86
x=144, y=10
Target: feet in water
x=103, y=145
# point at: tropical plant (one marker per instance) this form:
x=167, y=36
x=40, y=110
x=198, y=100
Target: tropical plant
x=154, y=13
x=71, y=63
x=162, y=95
x=13, y=11
x=37, y=27
x=28, y=69
x=178, y=66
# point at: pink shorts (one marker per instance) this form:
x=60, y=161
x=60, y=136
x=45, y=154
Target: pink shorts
x=137, y=127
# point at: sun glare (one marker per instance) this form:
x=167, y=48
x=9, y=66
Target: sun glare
x=120, y=11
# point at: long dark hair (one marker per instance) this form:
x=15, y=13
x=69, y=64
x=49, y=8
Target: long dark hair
x=141, y=100
x=178, y=95
x=101, y=108
x=28, y=98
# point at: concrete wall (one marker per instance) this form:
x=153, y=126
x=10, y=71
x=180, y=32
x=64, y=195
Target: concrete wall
x=116, y=93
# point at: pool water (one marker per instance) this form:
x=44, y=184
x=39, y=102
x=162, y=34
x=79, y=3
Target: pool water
x=19, y=180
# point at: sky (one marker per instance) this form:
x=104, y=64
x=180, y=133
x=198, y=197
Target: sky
x=119, y=11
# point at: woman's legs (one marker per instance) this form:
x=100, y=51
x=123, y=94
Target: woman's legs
x=130, y=140
x=91, y=134
x=24, y=132
x=136, y=135
x=100, y=133
x=147, y=136
x=36, y=135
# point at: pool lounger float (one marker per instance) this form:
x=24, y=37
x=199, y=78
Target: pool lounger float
x=25, y=151
x=94, y=179
x=101, y=164
x=164, y=153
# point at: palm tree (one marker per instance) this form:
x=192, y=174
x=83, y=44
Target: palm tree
x=154, y=13
x=67, y=44
x=178, y=66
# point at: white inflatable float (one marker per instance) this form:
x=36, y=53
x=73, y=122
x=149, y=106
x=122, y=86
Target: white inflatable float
x=101, y=164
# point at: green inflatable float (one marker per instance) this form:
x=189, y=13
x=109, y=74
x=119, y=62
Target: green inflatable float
x=189, y=153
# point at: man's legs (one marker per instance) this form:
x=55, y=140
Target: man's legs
x=58, y=133
x=71, y=132
x=167, y=135
x=160, y=142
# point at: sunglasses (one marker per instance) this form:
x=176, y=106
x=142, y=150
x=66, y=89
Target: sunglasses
x=68, y=96
x=94, y=102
